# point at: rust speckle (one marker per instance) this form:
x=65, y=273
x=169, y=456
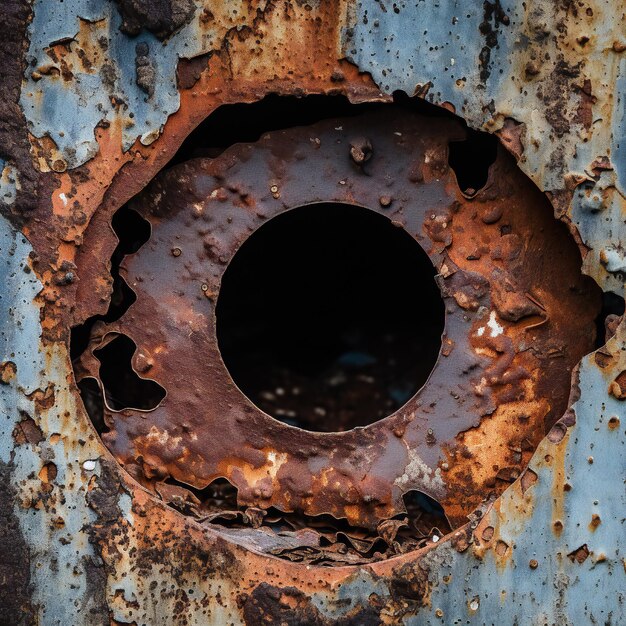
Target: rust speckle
x=361, y=150
x=603, y=358
x=48, y=473
x=529, y=478
x=501, y=547
x=488, y=533
x=43, y=398
x=579, y=555
x=557, y=433
x=27, y=431
x=618, y=387
x=595, y=522
x=8, y=371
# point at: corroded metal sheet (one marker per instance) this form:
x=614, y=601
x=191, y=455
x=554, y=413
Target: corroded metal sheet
x=104, y=93
x=509, y=347
x=546, y=77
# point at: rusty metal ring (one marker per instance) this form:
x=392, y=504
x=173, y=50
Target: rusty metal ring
x=511, y=338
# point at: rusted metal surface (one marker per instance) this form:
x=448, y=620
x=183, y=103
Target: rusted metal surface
x=547, y=78
x=509, y=347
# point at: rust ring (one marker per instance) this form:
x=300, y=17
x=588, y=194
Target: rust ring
x=510, y=344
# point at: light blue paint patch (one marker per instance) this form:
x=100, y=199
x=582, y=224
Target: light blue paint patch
x=354, y=593
x=431, y=41
x=19, y=318
x=618, y=148
x=68, y=111
x=597, y=212
x=58, y=556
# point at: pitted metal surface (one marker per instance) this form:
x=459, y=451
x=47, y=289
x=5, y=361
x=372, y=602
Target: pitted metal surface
x=509, y=347
x=88, y=543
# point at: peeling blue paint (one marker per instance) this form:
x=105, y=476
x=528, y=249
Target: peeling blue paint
x=560, y=590
x=69, y=111
x=59, y=554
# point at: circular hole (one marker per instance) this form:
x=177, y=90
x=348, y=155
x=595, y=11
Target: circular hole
x=329, y=317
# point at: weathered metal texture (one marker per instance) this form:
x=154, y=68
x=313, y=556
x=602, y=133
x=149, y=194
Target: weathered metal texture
x=548, y=78
x=81, y=541
x=510, y=340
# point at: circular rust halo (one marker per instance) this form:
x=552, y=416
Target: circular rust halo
x=510, y=340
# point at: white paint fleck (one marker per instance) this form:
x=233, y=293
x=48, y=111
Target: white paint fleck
x=480, y=388
x=149, y=137
x=275, y=460
x=496, y=329
x=89, y=465
x=418, y=475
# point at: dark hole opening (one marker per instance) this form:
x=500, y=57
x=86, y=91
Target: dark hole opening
x=132, y=231
x=613, y=307
x=329, y=317
x=247, y=122
x=471, y=159
x=237, y=123
x=123, y=387
x=94, y=403
x=228, y=124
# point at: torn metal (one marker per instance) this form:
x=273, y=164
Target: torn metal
x=509, y=347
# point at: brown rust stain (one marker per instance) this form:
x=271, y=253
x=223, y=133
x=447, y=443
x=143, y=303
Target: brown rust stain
x=8, y=371
x=559, y=479
x=27, y=431
x=579, y=555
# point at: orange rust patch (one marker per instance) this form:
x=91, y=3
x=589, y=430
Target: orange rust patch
x=558, y=482
x=43, y=399
x=8, y=371
x=618, y=387
x=48, y=473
